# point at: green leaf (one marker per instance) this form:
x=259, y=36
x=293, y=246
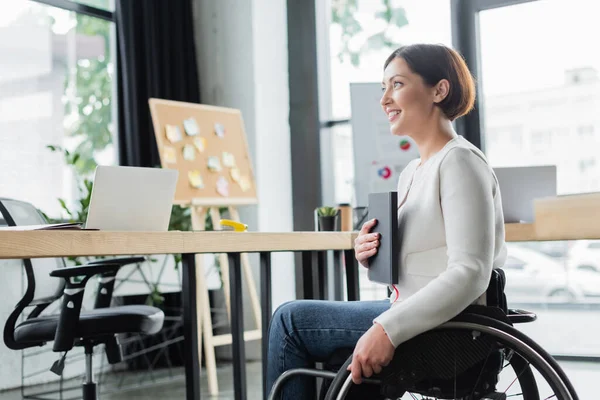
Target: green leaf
x=355, y=59
x=399, y=17
x=63, y=205
x=375, y=42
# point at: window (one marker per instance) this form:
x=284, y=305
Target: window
x=56, y=89
x=362, y=34
x=555, y=101
x=101, y=4
x=588, y=268
x=514, y=263
x=547, y=95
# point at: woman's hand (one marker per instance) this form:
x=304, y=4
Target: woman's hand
x=366, y=243
x=373, y=351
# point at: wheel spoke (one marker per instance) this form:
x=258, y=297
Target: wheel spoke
x=482, y=368
x=518, y=376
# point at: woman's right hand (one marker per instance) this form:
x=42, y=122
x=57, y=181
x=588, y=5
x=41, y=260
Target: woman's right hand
x=366, y=243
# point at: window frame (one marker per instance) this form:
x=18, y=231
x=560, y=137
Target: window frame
x=80, y=8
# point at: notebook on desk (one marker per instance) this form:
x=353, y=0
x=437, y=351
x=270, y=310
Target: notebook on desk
x=44, y=227
x=384, y=265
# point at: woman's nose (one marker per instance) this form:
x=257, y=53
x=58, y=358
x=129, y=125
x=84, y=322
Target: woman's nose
x=384, y=98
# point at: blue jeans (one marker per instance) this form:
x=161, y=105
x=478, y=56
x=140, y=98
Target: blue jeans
x=304, y=332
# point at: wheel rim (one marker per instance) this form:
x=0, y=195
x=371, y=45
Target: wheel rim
x=521, y=363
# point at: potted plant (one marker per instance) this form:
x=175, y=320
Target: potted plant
x=327, y=218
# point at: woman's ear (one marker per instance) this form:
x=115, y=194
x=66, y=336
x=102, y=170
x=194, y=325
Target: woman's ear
x=441, y=90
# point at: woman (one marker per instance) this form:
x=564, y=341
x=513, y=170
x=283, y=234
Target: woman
x=451, y=223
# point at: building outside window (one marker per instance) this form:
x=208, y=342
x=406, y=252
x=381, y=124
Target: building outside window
x=57, y=88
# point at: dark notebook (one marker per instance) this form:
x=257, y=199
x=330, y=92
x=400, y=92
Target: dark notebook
x=383, y=266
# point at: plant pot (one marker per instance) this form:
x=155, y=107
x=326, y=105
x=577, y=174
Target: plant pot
x=327, y=223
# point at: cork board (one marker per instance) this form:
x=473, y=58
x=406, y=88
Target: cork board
x=208, y=146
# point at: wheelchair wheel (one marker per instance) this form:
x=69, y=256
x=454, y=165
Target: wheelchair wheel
x=474, y=358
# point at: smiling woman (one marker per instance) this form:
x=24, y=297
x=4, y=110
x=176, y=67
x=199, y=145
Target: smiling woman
x=450, y=221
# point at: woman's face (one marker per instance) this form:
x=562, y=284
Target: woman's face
x=406, y=100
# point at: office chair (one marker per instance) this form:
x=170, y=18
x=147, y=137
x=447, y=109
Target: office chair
x=48, y=279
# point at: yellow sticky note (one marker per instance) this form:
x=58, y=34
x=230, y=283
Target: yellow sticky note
x=195, y=179
x=245, y=183
x=169, y=155
x=235, y=174
x=200, y=144
x=173, y=133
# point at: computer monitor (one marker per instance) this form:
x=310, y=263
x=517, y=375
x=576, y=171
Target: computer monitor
x=131, y=199
x=519, y=186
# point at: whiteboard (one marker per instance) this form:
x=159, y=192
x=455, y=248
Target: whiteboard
x=379, y=156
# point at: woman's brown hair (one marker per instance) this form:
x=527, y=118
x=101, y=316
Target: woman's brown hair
x=434, y=62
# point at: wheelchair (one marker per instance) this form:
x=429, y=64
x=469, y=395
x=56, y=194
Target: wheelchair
x=477, y=355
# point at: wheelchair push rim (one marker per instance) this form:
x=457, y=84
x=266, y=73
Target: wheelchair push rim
x=526, y=351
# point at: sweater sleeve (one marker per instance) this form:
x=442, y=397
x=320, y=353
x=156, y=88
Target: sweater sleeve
x=466, y=197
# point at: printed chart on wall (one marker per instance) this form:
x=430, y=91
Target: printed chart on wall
x=208, y=146
x=379, y=156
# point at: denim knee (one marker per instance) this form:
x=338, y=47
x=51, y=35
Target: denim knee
x=281, y=321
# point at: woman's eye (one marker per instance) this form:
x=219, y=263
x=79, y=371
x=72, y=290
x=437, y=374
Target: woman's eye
x=383, y=88
x=397, y=84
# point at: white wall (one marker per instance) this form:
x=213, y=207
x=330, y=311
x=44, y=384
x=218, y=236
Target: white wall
x=273, y=153
x=243, y=63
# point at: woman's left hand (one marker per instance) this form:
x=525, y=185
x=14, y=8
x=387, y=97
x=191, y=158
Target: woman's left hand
x=373, y=351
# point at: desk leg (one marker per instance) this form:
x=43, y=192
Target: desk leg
x=265, y=299
x=237, y=327
x=190, y=328
x=351, y=275
x=308, y=278
x=338, y=269
x=322, y=293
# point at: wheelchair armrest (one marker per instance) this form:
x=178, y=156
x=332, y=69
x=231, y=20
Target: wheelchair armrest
x=73, y=297
x=107, y=279
x=520, y=316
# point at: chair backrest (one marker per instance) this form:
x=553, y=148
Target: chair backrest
x=41, y=287
x=495, y=296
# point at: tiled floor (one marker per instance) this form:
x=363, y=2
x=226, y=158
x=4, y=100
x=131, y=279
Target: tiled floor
x=172, y=388
x=583, y=376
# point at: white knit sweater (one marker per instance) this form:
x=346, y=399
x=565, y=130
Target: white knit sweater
x=452, y=233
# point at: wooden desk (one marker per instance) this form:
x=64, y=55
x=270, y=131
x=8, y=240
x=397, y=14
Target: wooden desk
x=36, y=244
x=573, y=217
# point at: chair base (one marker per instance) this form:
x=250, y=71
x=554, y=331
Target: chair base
x=89, y=391
x=89, y=386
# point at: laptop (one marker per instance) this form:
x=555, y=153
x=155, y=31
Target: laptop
x=131, y=199
x=384, y=265
x=519, y=186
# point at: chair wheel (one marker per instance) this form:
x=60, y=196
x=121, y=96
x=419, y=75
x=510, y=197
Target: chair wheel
x=113, y=351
